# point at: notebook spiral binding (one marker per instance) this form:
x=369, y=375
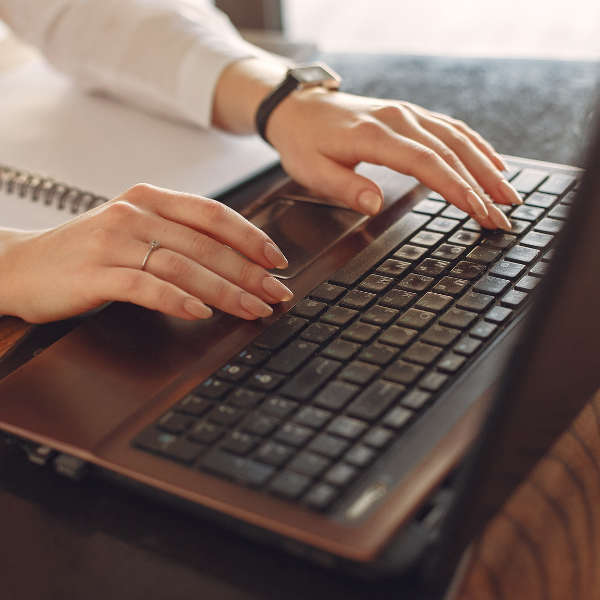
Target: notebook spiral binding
x=45, y=190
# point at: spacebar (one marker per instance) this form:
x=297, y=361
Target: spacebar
x=353, y=270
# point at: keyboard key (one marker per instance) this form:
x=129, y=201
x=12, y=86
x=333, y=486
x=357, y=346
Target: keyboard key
x=397, y=299
x=336, y=395
x=206, y=433
x=410, y=253
x=292, y=356
x=278, y=407
x=339, y=316
x=359, y=372
x=549, y=226
x=527, y=213
x=527, y=283
x=458, y=318
x=379, y=315
x=372, y=402
x=451, y=286
x=540, y=269
x=483, y=255
x=341, y=350
x=392, y=268
x=451, y=363
x=361, y=332
x=280, y=332
x=467, y=346
x=466, y=238
x=415, y=319
x=168, y=444
x=475, y=301
x=448, y=252
x=537, y=240
x=357, y=299
x=398, y=336
x=434, y=302
x=225, y=415
x=541, y=200
x=557, y=184
x=569, y=198
x=513, y=299
x=472, y=225
x=507, y=270
x=455, y=213
x=498, y=314
x=312, y=417
x=341, y=474
x=243, y=398
x=403, y=372
x=431, y=267
x=193, y=405
x=213, y=389
x=518, y=227
x=289, y=484
x=309, y=463
x=233, y=372
x=328, y=292
x=523, y=254
x=274, y=454
x=415, y=282
x=440, y=336
x=329, y=445
x=239, y=442
x=433, y=381
x=429, y=207
x=467, y=270
x=265, y=381
x=499, y=240
x=319, y=333
x=422, y=354
x=252, y=356
x=347, y=427
x=320, y=496
x=398, y=417
x=311, y=377
x=483, y=330
x=378, y=354
x=260, y=424
x=360, y=455
x=426, y=238
x=309, y=309
x=242, y=469
x=293, y=434
x=416, y=399
x=529, y=179
x=378, y=437
x=442, y=225
x=376, y=283
x=559, y=212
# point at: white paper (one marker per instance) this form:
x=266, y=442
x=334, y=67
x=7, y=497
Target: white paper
x=51, y=128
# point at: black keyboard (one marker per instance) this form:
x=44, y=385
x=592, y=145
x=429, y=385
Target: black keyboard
x=326, y=389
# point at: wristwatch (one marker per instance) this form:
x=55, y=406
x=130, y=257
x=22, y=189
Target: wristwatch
x=298, y=78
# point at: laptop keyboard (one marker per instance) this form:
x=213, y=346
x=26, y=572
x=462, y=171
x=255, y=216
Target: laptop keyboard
x=326, y=389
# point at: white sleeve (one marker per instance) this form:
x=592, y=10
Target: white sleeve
x=163, y=55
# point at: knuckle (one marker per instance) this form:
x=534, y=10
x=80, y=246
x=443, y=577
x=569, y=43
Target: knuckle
x=178, y=267
x=449, y=157
x=131, y=283
x=422, y=155
x=203, y=245
x=213, y=211
x=368, y=130
x=139, y=191
x=119, y=212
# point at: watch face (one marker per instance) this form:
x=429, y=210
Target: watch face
x=315, y=75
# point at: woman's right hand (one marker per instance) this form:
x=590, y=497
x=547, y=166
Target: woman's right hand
x=97, y=257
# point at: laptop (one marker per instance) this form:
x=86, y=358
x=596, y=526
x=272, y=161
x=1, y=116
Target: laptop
x=376, y=422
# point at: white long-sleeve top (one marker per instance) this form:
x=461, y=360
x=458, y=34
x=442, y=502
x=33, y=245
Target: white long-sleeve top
x=163, y=55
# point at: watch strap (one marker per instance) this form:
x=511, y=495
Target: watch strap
x=289, y=84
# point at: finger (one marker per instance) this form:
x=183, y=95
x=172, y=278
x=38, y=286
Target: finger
x=331, y=179
x=475, y=161
x=212, y=218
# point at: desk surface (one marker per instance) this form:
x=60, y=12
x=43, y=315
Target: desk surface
x=90, y=540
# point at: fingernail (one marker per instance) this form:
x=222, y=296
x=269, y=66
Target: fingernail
x=274, y=255
x=276, y=289
x=505, y=167
x=370, y=202
x=499, y=218
x=255, y=305
x=197, y=309
x=509, y=193
x=477, y=205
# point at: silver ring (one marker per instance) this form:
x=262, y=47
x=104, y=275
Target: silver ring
x=154, y=245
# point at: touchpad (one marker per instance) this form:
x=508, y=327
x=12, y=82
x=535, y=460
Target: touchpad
x=303, y=230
